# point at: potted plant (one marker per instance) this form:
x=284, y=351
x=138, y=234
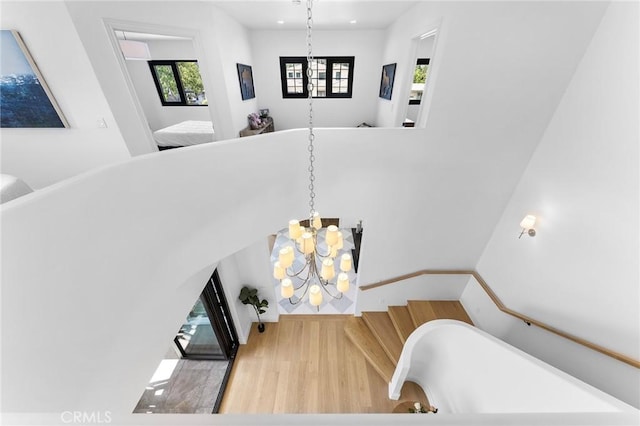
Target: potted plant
x=249, y=296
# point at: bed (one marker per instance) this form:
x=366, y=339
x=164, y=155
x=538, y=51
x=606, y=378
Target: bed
x=11, y=187
x=186, y=133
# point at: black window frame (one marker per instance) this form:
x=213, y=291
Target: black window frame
x=176, y=75
x=419, y=61
x=284, y=60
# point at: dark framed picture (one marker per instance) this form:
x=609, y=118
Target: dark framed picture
x=245, y=76
x=24, y=95
x=386, y=81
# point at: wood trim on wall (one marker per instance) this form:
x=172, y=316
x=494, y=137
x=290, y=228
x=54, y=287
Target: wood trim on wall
x=496, y=300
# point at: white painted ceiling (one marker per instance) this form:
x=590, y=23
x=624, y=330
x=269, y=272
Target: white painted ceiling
x=327, y=14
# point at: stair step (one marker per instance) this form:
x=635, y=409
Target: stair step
x=382, y=328
x=450, y=309
x=402, y=321
x=358, y=332
x=422, y=311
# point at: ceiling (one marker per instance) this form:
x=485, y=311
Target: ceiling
x=327, y=14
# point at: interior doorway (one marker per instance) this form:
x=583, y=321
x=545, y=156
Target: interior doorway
x=208, y=331
x=166, y=83
x=418, y=90
x=194, y=373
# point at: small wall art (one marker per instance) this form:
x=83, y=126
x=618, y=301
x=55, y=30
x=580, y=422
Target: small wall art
x=25, y=98
x=245, y=76
x=386, y=81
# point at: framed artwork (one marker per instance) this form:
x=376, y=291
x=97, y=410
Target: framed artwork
x=25, y=98
x=386, y=81
x=245, y=76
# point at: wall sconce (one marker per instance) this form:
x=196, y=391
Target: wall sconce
x=527, y=225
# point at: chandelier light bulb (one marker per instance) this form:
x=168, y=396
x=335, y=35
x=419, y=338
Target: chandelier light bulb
x=315, y=295
x=343, y=282
x=285, y=257
x=331, y=236
x=307, y=243
x=278, y=271
x=340, y=242
x=345, y=262
x=328, y=271
x=295, y=230
x=317, y=222
x=286, y=288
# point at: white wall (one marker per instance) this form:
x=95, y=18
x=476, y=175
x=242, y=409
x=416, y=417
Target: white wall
x=103, y=251
x=483, y=62
x=365, y=46
x=106, y=261
x=249, y=267
x=159, y=116
x=424, y=287
x=580, y=272
x=42, y=157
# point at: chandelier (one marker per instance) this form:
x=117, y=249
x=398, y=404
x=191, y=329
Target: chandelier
x=318, y=269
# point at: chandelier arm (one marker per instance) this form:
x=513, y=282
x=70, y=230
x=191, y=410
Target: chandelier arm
x=317, y=251
x=325, y=286
x=295, y=274
x=304, y=293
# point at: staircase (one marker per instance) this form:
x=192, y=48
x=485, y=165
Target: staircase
x=381, y=335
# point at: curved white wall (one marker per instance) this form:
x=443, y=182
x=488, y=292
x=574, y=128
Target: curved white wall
x=104, y=254
x=494, y=377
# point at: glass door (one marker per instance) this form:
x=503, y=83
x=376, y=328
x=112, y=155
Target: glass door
x=208, y=331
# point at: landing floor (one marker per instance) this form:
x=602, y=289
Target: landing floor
x=304, y=364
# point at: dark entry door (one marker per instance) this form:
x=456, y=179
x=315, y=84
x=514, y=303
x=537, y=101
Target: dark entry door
x=208, y=331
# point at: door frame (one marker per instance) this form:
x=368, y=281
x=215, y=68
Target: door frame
x=217, y=308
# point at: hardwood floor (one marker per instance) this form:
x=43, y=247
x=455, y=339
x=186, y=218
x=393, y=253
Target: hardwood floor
x=306, y=364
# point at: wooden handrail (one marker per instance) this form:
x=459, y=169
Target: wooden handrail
x=494, y=298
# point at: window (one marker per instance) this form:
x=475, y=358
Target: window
x=419, y=80
x=332, y=76
x=178, y=83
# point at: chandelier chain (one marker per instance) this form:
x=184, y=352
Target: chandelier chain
x=310, y=87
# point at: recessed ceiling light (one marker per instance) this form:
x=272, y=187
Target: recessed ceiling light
x=353, y=21
x=280, y=22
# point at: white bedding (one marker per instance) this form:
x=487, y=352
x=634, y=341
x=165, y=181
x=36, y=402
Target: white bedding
x=190, y=132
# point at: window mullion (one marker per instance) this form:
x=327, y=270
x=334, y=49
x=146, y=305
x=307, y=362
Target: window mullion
x=176, y=75
x=305, y=78
x=329, y=78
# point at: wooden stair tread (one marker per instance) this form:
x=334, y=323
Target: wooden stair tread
x=402, y=321
x=450, y=309
x=384, y=331
x=422, y=311
x=361, y=336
